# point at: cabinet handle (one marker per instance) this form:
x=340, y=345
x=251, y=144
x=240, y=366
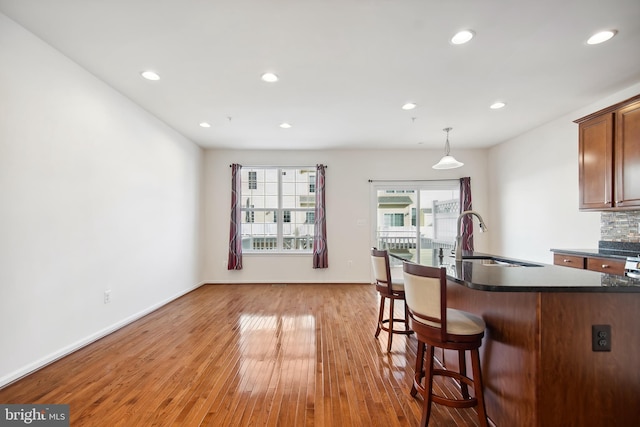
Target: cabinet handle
x=566, y=260
x=605, y=265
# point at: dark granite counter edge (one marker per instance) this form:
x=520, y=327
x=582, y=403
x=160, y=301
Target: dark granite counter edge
x=593, y=253
x=550, y=288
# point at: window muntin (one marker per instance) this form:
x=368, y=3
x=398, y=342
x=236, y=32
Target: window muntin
x=278, y=202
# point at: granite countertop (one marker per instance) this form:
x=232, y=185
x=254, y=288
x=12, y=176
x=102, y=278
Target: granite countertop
x=606, y=249
x=474, y=272
x=594, y=253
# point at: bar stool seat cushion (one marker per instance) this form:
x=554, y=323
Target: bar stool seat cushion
x=397, y=284
x=459, y=322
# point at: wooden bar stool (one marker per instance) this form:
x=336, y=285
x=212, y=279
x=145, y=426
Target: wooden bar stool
x=436, y=325
x=391, y=289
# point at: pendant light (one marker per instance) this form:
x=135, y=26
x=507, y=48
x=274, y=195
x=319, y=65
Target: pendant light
x=447, y=162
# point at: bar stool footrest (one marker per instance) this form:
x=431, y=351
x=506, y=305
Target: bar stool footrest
x=395, y=331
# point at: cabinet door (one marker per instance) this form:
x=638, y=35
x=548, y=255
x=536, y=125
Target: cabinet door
x=627, y=156
x=595, y=162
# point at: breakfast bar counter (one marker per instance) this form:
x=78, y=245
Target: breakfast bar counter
x=541, y=367
x=494, y=273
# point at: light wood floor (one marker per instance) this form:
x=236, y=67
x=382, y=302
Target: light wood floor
x=243, y=355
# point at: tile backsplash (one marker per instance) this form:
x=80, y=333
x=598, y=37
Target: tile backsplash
x=620, y=226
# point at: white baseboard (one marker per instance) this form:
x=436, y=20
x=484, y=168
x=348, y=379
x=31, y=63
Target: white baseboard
x=270, y=282
x=41, y=363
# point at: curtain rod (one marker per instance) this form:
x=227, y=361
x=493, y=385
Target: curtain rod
x=272, y=166
x=413, y=180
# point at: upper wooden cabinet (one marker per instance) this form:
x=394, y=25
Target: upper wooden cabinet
x=627, y=156
x=595, y=162
x=609, y=157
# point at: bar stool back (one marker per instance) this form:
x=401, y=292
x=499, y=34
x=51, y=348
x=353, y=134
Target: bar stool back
x=391, y=289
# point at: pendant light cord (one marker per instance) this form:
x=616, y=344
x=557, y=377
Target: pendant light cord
x=447, y=147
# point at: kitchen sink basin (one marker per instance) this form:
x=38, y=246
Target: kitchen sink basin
x=491, y=261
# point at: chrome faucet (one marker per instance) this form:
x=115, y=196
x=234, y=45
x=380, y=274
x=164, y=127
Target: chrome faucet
x=458, y=247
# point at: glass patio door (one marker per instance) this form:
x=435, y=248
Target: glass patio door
x=415, y=219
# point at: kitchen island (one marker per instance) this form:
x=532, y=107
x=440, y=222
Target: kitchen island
x=539, y=366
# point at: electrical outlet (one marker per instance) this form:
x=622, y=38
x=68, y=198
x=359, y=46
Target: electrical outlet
x=107, y=296
x=601, y=337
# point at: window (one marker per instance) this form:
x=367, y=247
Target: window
x=253, y=180
x=312, y=183
x=249, y=216
x=278, y=206
x=394, y=220
x=311, y=218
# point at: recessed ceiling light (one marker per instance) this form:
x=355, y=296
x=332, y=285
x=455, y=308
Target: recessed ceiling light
x=269, y=77
x=205, y=125
x=409, y=106
x=150, y=75
x=497, y=105
x=462, y=37
x=601, y=37
x=285, y=125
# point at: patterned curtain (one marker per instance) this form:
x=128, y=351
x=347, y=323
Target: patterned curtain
x=235, y=230
x=320, y=257
x=467, y=220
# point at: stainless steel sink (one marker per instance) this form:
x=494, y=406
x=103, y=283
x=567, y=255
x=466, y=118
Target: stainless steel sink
x=491, y=261
x=496, y=263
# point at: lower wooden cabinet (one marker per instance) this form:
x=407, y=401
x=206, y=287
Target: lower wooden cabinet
x=569, y=260
x=606, y=265
x=603, y=265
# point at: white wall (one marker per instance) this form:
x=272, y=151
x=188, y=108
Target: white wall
x=95, y=194
x=533, y=189
x=348, y=206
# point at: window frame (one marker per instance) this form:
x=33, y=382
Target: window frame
x=285, y=218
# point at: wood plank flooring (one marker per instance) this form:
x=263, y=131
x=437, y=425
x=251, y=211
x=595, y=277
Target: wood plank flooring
x=244, y=355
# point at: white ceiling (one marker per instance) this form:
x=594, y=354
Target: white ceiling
x=346, y=66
